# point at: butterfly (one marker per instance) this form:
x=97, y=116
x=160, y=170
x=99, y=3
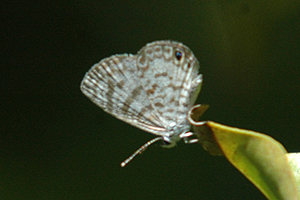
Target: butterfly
x=151, y=90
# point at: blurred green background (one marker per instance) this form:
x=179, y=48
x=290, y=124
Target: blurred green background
x=56, y=144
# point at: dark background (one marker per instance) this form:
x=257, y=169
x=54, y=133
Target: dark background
x=56, y=144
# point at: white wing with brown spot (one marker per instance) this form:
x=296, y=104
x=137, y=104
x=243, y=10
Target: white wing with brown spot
x=113, y=85
x=168, y=72
x=152, y=90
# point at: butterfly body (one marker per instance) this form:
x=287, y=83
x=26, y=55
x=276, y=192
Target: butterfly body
x=152, y=90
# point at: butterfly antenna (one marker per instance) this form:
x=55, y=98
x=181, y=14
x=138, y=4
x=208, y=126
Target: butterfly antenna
x=140, y=150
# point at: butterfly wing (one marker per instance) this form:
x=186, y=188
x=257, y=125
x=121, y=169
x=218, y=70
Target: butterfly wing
x=113, y=85
x=152, y=90
x=169, y=73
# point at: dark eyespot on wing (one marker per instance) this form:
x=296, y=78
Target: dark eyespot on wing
x=178, y=55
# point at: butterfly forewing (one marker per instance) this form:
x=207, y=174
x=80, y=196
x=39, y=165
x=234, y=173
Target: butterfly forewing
x=113, y=85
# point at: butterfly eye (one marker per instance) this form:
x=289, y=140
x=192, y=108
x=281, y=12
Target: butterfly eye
x=166, y=143
x=178, y=55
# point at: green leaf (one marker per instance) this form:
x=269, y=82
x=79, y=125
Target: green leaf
x=257, y=156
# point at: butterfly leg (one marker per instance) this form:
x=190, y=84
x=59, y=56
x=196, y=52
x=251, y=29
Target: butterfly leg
x=187, y=137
